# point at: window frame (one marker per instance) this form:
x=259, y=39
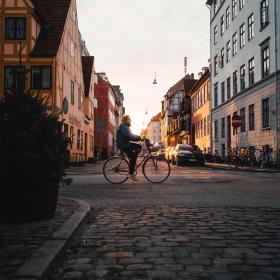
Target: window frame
x=234, y=44
x=243, y=119
x=242, y=77
x=251, y=71
x=41, y=67
x=266, y=113
x=264, y=6
x=251, y=27
x=15, y=81
x=251, y=117
x=242, y=36
x=15, y=37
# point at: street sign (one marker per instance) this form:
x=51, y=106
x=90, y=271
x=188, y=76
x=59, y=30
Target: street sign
x=236, y=121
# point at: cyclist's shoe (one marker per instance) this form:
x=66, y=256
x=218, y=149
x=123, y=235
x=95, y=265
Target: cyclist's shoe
x=132, y=177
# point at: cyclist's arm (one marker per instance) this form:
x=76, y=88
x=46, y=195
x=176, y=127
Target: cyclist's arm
x=130, y=136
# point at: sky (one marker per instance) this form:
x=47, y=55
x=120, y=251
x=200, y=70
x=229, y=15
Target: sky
x=132, y=40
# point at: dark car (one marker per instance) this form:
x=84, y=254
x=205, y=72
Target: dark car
x=188, y=154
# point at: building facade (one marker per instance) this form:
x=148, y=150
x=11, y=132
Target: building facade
x=245, y=73
x=107, y=116
x=201, y=112
x=40, y=50
x=154, y=130
x=176, y=113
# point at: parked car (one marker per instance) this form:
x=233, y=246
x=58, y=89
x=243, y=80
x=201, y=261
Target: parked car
x=171, y=157
x=161, y=153
x=166, y=155
x=189, y=154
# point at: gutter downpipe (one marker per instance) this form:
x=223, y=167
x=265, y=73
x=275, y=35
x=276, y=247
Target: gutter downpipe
x=210, y=93
x=276, y=81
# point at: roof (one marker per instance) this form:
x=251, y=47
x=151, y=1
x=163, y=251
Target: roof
x=52, y=15
x=156, y=118
x=209, y=2
x=203, y=78
x=87, y=63
x=185, y=84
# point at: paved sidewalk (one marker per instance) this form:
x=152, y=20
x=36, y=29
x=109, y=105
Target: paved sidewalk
x=177, y=244
x=28, y=250
x=88, y=168
x=225, y=166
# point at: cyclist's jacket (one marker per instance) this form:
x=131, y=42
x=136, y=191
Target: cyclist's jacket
x=124, y=136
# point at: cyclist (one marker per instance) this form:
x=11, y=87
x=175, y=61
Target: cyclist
x=124, y=138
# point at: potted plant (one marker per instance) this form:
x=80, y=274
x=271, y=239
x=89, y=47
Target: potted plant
x=33, y=154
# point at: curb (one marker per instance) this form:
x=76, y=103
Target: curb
x=41, y=261
x=242, y=170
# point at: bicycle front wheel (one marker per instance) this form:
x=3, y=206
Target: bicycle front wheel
x=116, y=170
x=156, y=170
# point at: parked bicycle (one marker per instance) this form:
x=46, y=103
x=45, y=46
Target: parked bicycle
x=155, y=169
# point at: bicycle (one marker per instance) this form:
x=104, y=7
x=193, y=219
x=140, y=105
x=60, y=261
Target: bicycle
x=155, y=169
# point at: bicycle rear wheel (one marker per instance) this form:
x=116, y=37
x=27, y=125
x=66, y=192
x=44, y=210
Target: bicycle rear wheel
x=116, y=170
x=156, y=170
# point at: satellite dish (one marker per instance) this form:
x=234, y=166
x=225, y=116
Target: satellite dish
x=155, y=79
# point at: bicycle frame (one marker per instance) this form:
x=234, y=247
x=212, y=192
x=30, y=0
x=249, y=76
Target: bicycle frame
x=149, y=155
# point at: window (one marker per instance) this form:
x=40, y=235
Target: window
x=234, y=129
x=234, y=79
x=228, y=52
x=222, y=60
x=227, y=17
x=41, y=77
x=202, y=127
x=228, y=88
x=243, y=120
x=234, y=44
x=72, y=93
x=71, y=137
x=216, y=130
x=265, y=113
x=223, y=91
x=242, y=77
x=80, y=100
x=264, y=14
x=216, y=95
x=205, y=126
x=234, y=9
x=208, y=125
x=15, y=28
x=242, y=35
x=251, y=31
x=215, y=34
x=241, y=4
x=223, y=127
x=252, y=117
x=78, y=139
x=222, y=25
x=215, y=65
x=251, y=71
x=14, y=77
x=265, y=62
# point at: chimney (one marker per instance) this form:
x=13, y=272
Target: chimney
x=192, y=76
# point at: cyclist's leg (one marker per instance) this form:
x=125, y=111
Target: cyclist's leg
x=132, y=154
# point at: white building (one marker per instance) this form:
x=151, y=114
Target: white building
x=245, y=59
x=154, y=130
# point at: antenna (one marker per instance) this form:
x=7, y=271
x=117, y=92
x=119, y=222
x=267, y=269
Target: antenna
x=186, y=64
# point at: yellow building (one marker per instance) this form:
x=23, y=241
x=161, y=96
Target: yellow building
x=41, y=38
x=201, y=112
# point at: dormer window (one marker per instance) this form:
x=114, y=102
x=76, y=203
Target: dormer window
x=15, y=28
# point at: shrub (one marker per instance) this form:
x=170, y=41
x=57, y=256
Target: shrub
x=33, y=149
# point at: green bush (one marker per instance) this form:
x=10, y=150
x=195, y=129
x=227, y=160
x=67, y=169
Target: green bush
x=33, y=149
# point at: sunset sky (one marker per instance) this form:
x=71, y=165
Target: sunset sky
x=131, y=40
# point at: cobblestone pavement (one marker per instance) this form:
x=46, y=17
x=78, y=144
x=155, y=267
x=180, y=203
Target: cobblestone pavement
x=177, y=243
x=21, y=240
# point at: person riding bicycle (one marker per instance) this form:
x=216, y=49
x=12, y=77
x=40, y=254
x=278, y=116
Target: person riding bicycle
x=124, y=137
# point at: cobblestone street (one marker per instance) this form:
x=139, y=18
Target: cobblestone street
x=177, y=243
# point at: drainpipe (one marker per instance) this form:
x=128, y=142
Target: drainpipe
x=276, y=80
x=210, y=93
